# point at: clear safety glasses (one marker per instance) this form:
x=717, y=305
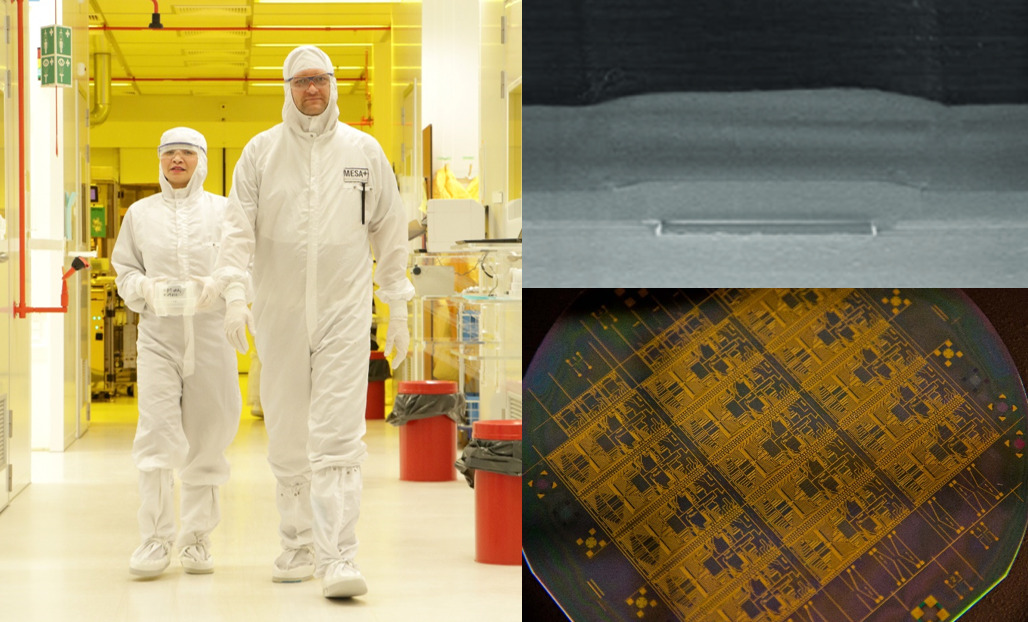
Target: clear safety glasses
x=182, y=149
x=304, y=82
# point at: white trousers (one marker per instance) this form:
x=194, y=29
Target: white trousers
x=185, y=423
x=314, y=398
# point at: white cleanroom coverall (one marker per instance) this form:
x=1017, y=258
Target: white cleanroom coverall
x=295, y=206
x=188, y=383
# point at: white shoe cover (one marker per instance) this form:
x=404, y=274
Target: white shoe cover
x=150, y=558
x=293, y=566
x=293, y=500
x=336, y=504
x=201, y=513
x=196, y=559
x=342, y=580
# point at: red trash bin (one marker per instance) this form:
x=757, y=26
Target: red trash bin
x=375, y=408
x=497, y=502
x=428, y=447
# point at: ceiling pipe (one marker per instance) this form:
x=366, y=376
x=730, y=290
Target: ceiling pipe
x=101, y=90
x=252, y=28
x=358, y=79
x=364, y=122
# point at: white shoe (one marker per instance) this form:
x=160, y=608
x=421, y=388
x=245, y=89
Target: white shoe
x=293, y=566
x=151, y=558
x=342, y=580
x=196, y=559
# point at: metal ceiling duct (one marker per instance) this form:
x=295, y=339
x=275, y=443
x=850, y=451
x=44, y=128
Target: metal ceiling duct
x=102, y=89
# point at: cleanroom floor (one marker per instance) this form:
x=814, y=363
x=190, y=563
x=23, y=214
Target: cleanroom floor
x=65, y=542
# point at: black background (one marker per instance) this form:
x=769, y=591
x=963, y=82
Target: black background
x=1007, y=310
x=951, y=51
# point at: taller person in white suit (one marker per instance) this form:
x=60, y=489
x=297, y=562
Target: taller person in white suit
x=311, y=197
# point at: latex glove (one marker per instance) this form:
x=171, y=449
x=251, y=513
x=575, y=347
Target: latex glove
x=208, y=294
x=147, y=287
x=397, y=337
x=237, y=319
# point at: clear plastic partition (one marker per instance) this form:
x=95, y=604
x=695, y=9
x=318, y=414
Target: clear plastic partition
x=466, y=325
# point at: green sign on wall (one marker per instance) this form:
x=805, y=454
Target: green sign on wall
x=55, y=45
x=98, y=222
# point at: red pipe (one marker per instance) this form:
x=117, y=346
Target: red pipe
x=19, y=309
x=155, y=6
x=219, y=80
x=252, y=28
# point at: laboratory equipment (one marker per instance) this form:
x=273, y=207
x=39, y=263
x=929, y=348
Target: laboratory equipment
x=112, y=338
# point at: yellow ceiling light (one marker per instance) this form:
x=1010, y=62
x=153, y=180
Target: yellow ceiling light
x=337, y=28
x=279, y=68
x=278, y=85
x=330, y=1
x=320, y=45
x=192, y=9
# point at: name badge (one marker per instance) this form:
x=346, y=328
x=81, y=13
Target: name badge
x=358, y=175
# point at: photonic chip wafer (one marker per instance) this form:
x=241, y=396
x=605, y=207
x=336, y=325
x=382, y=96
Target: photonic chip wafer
x=765, y=455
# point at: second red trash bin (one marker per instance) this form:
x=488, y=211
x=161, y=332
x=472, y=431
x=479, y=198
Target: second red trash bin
x=497, y=502
x=375, y=408
x=428, y=445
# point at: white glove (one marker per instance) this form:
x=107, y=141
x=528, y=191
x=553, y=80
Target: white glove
x=208, y=294
x=147, y=287
x=237, y=319
x=398, y=336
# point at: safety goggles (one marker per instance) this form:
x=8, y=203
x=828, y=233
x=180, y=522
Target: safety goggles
x=185, y=149
x=304, y=82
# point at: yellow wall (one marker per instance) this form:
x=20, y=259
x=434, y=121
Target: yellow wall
x=124, y=147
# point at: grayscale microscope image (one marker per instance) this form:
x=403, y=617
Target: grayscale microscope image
x=766, y=144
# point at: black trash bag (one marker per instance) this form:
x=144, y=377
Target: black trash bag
x=378, y=370
x=410, y=407
x=503, y=457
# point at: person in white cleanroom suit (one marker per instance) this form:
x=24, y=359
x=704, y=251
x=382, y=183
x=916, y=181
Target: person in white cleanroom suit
x=188, y=383
x=310, y=198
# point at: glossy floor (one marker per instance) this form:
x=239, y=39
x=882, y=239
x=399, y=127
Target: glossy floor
x=65, y=542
